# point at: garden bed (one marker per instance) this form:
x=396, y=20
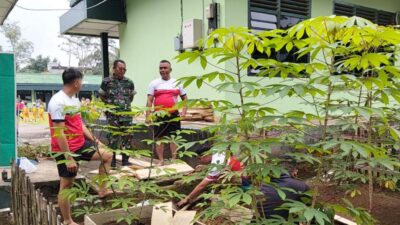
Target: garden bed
x=386, y=203
x=147, y=214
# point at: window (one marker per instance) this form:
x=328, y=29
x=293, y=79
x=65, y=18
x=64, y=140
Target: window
x=24, y=95
x=377, y=16
x=278, y=14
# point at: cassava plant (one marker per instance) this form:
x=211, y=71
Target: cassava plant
x=347, y=97
x=135, y=193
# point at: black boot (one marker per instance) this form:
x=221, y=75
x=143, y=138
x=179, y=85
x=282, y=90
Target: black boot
x=113, y=162
x=125, y=160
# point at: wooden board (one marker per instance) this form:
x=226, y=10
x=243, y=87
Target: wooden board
x=123, y=169
x=344, y=220
x=162, y=214
x=113, y=215
x=184, y=218
x=199, y=111
x=137, y=162
x=175, y=168
x=239, y=213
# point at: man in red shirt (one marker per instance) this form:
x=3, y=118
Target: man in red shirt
x=215, y=159
x=163, y=93
x=70, y=135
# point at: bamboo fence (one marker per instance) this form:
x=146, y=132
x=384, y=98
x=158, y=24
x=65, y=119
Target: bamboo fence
x=29, y=206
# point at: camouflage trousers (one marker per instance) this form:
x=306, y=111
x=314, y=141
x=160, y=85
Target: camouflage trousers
x=118, y=136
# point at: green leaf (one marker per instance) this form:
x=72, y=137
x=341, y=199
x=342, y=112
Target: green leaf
x=250, y=48
x=346, y=148
x=247, y=198
x=394, y=133
x=361, y=150
x=260, y=47
x=289, y=46
x=309, y=214
x=376, y=59
x=203, y=62
x=364, y=112
x=281, y=193
x=387, y=163
x=199, y=83
x=384, y=97
x=330, y=145
x=295, y=209
x=393, y=70
x=234, y=200
x=320, y=217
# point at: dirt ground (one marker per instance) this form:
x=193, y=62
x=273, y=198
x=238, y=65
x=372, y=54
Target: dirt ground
x=386, y=203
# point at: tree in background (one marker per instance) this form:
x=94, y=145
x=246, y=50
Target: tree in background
x=21, y=47
x=37, y=65
x=88, y=52
x=55, y=60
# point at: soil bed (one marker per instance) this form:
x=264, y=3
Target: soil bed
x=386, y=203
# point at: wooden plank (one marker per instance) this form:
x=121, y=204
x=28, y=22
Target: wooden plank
x=162, y=214
x=118, y=176
x=20, y=196
x=184, y=218
x=175, y=168
x=25, y=219
x=137, y=162
x=54, y=215
x=50, y=213
x=31, y=201
x=38, y=207
x=199, y=111
x=34, y=204
x=13, y=192
x=45, y=216
x=343, y=220
x=238, y=214
x=124, y=169
x=5, y=210
x=59, y=220
x=113, y=215
x=88, y=221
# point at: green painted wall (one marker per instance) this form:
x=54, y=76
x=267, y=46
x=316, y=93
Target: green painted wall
x=7, y=109
x=147, y=37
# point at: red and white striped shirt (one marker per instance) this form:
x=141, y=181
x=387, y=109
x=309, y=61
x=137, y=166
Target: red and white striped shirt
x=63, y=108
x=166, y=93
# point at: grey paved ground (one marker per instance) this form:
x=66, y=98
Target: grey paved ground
x=39, y=134
x=34, y=134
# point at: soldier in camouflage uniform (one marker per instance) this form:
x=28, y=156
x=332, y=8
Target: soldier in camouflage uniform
x=118, y=90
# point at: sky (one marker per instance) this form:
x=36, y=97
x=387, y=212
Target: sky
x=42, y=28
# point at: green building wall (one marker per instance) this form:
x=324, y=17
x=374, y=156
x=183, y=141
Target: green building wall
x=147, y=37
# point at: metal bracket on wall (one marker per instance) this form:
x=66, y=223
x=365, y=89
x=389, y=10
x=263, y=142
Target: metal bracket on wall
x=212, y=16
